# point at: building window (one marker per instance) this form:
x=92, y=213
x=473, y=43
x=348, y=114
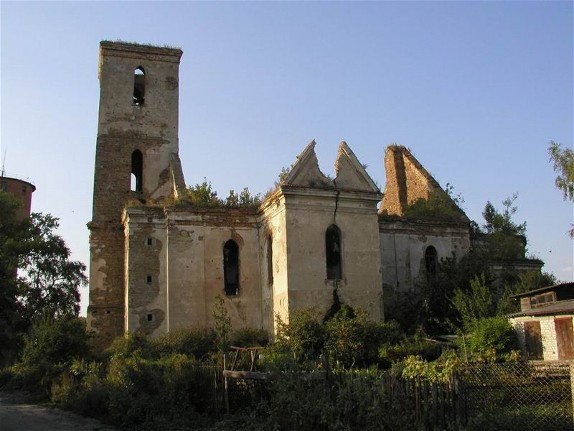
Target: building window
x=139, y=86
x=149, y=241
x=3, y=186
x=148, y=279
x=270, y=259
x=150, y=317
x=431, y=261
x=333, y=252
x=231, y=267
x=137, y=171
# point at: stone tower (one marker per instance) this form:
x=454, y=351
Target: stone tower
x=136, y=160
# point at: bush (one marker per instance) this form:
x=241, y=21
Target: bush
x=305, y=335
x=197, y=343
x=250, y=337
x=55, y=341
x=490, y=339
x=353, y=340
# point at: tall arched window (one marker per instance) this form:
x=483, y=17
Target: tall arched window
x=231, y=267
x=137, y=171
x=333, y=252
x=431, y=261
x=270, y=259
x=139, y=86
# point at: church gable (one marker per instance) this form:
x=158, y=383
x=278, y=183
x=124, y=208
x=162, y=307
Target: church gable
x=306, y=172
x=350, y=172
x=407, y=181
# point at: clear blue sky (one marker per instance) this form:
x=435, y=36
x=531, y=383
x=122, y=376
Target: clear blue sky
x=475, y=89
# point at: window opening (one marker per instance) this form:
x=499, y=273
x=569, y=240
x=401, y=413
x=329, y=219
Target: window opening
x=270, y=260
x=139, y=86
x=150, y=317
x=231, y=267
x=3, y=186
x=149, y=241
x=431, y=260
x=137, y=171
x=333, y=252
x=148, y=279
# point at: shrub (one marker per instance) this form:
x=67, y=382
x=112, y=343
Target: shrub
x=55, y=341
x=353, y=340
x=305, y=335
x=250, y=337
x=196, y=342
x=490, y=339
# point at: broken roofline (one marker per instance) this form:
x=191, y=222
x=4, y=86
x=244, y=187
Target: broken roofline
x=350, y=173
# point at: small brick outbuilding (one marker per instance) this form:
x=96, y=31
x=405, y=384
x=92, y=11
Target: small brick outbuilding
x=544, y=323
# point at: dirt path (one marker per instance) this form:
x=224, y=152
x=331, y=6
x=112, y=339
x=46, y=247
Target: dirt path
x=16, y=415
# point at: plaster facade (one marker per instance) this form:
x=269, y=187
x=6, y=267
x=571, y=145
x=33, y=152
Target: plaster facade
x=159, y=263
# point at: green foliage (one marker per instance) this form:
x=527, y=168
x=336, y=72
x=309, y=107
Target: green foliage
x=439, y=205
x=475, y=303
x=415, y=367
x=203, y=195
x=563, y=163
x=250, y=337
x=489, y=339
x=424, y=348
x=53, y=341
x=222, y=325
x=502, y=222
x=243, y=199
x=354, y=340
x=50, y=281
x=305, y=335
x=197, y=343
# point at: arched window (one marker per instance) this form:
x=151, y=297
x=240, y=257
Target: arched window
x=231, y=267
x=431, y=261
x=139, y=86
x=270, y=259
x=137, y=171
x=333, y=252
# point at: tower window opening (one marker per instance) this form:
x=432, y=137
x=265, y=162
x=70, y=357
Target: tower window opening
x=139, y=86
x=231, y=268
x=137, y=171
x=333, y=253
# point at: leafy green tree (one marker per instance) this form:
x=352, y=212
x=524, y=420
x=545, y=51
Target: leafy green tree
x=37, y=277
x=501, y=222
x=563, y=161
x=50, y=281
x=203, y=194
x=475, y=303
x=305, y=335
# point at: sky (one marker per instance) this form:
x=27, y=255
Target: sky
x=476, y=90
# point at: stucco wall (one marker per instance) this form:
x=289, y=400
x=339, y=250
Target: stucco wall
x=403, y=245
x=186, y=259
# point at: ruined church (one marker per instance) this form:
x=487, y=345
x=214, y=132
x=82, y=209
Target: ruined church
x=158, y=263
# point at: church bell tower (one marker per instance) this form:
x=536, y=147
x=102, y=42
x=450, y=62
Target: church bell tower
x=136, y=160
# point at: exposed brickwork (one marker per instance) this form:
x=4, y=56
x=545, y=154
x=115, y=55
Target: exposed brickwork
x=407, y=181
x=125, y=126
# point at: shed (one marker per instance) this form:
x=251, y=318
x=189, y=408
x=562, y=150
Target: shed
x=544, y=322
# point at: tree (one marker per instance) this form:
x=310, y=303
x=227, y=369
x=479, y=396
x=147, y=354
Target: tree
x=50, y=281
x=563, y=161
x=37, y=277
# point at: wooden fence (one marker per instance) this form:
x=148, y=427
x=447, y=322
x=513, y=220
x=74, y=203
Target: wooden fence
x=520, y=396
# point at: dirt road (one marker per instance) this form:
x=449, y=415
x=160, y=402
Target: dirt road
x=16, y=415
